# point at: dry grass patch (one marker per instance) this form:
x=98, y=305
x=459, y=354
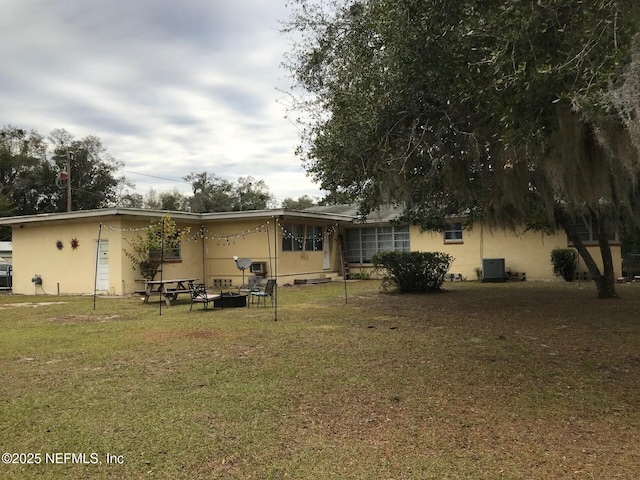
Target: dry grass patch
x=84, y=318
x=6, y=306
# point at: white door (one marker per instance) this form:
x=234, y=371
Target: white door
x=102, y=279
x=326, y=263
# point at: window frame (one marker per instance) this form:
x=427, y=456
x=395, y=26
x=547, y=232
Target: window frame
x=314, y=238
x=585, y=228
x=172, y=250
x=455, y=232
x=293, y=237
x=171, y=254
x=361, y=243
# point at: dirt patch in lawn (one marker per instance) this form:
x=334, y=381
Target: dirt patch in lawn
x=84, y=318
x=6, y=306
x=180, y=334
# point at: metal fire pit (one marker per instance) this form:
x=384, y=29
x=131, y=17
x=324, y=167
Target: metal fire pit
x=230, y=300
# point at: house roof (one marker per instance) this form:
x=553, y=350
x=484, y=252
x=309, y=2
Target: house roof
x=88, y=215
x=383, y=214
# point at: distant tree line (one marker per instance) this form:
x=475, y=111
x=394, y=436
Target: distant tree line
x=34, y=171
x=210, y=194
x=214, y=194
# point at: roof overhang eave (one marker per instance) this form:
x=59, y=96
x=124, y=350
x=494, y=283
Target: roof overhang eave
x=87, y=215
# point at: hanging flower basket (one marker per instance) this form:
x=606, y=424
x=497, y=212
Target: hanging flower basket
x=74, y=243
x=59, y=244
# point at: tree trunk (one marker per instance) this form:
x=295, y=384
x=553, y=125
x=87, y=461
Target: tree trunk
x=608, y=287
x=605, y=283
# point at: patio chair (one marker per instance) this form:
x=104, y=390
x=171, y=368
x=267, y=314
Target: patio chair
x=252, y=285
x=263, y=294
x=199, y=294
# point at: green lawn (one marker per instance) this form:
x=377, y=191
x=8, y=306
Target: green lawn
x=519, y=381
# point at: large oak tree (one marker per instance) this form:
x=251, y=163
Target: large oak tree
x=516, y=112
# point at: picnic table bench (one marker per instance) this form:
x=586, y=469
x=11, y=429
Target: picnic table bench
x=168, y=289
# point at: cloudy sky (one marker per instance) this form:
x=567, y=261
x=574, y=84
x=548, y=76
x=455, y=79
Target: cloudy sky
x=171, y=87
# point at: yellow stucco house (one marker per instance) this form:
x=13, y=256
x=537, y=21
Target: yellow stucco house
x=75, y=252
x=527, y=253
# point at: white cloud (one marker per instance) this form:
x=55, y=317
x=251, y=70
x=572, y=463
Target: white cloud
x=170, y=87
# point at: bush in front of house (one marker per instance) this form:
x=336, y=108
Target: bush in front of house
x=412, y=271
x=564, y=262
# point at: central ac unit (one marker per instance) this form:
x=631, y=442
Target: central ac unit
x=493, y=270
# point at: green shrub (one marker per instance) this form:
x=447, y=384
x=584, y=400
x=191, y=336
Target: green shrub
x=413, y=271
x=564, y=262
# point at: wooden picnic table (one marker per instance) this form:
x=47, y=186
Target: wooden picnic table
x=169, y=289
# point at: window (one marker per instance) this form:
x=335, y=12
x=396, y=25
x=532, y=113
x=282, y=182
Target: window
x=313, y=240
x=401, y=240
x=363, y=243
x=453, y=233
x=385, y=238
x=171, y=249
x=368, y=243
x=171, y=252
x=587, y=229
x=292, y=236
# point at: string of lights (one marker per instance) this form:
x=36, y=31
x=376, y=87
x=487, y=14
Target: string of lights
x=204, y=233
